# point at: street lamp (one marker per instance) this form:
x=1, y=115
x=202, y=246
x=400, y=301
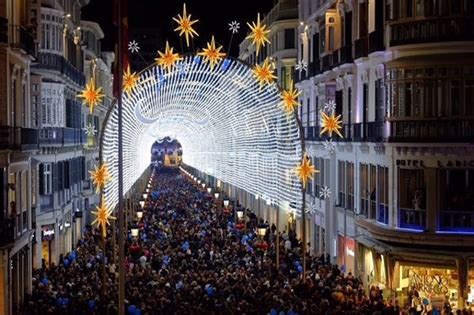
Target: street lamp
x=199, y=181
x=262, y=230
x=216, y=195
x=209, y=190
x=203, y=185
x=240, y=214
x=142, y=203
x=226, y=203
x=145, y=195
x=135, y=231
x=139, y=214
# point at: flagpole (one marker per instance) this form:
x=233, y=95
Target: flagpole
x=121, y=280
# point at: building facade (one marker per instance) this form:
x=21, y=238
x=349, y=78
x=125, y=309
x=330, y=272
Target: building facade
x=400, y=213
x=45, y=58
x=18, y=143
x=282, y=21
x=69, y=56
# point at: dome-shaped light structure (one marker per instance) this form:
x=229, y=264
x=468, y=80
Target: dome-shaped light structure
x=225, y=121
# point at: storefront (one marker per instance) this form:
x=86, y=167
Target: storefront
x=346, y=253
x=47, y=243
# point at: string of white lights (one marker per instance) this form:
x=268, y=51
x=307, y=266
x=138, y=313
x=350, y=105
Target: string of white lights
x=228, y=127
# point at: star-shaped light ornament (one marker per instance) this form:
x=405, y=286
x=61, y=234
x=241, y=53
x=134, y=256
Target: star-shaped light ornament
x=168, y=59
x=258, y=34
x=185, y=25
x=330, y=146
x=325, y=192
x=331, y=123
x=91, y=96
x=103, y=215
x=302, y=66
x=330, y=106
x=90, y=130
x=311, y=209
x=130, y=81
x=133, y=47
x=212, y=54
x=100, y=176
x=234, y=27
x=264, y=73
x=305, y=171
x=290, y=99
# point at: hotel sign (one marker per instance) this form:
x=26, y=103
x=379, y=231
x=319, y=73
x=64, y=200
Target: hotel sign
x=456, y=164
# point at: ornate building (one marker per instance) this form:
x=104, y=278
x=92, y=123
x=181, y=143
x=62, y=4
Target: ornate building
x=400, y=213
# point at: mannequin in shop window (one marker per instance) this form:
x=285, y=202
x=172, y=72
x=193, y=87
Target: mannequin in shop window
x=418, y=199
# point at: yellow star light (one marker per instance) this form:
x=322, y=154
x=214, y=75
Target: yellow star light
x=331, y=124
x=305, y=171
x=264, y=73
x=91, y=96
x=130, y=81
x=100, y=176
x=212, y=54
x=258, y=34
x=102, y=217
x=290, y=99
x=185, y=25
x=168, y=59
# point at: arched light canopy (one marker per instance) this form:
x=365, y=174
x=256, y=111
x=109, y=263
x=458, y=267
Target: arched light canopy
x=228, y=125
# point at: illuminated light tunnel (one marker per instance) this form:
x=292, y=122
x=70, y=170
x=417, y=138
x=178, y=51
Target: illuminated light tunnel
x=229, y=127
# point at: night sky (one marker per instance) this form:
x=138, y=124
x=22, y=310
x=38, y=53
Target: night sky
x=213, y=16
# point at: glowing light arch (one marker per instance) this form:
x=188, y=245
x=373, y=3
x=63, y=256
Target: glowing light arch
x=228, y=126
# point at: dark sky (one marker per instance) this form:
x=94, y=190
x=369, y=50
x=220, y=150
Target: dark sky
x=213, y=16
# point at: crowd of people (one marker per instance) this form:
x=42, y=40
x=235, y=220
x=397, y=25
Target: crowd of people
x=191, y=258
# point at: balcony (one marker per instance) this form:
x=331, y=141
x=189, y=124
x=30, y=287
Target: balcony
x=361, y=48
x=7, y=232
x=327, y=62
x=376, y=41
x=54, y=62
x=432, y=30
x=345, y=54
x=454, y=130
x=412, y=219
x=22, y=38
x=456, y=221
x=61, y=136
x=17, y=138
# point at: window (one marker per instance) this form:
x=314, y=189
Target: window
x=45, y=176
x=289, y=38
x=341, y=183
x=346, y=184
x=412, y=197
x=364, y=189
x=382, y=213
x=456, y=199
x=469, y=97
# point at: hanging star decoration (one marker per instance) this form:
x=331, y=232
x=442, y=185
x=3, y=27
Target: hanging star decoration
x=290, y=99
x=330, y=106
x=264, y=73
x=185, y=25
x=329, y=146
x=100, y=176
x=212, y=54
x=258, y=34
x=130, y=80
x=331, y=123
x=234, y=27
x=133, y=47
x=90, y=130
x=311, y=209
x=103, y=215
x=325, y=192
x=302, y=66
x=305, y=171
x=168, y=59
x=91, y=95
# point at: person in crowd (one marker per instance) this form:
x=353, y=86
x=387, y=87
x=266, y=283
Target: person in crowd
x=190, y=258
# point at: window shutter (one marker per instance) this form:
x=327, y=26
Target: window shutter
x=41, y=179
x=54, y=169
